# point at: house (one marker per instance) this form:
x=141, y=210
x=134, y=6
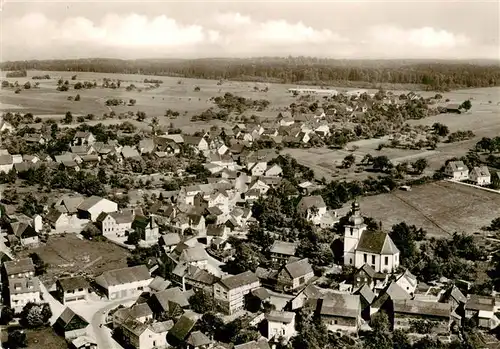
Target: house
x=139, y=311
x=259, y=344
x=83, y=138
x=312, y=208
x=23, y=234
x=230, y=291
x=386, y=298
x=6, y=163
x=273, y=171
x=179, y=333
x=71, y=325
x=20, y=268
x=282, y=250
x=457, y=301
x=72, y=289
x=169, y=241
x=454, y=108
x=198, y=340
x=5, y=126
x=280, y=324
x=340, y=312
x=169, y=301
x=34, y=138
x=366, y=297
x=146, y=336
x=456, y=170
x=159, y=284
x=363, y=246
x=366, y=275
x=482, y=308
x=93, y=206
x=23, y=291
x=407, y=281
x=83, y=342
x=407, y=311
x=125, y=282
x=198, y=144
x=115, y=223
x=192, y=277
x=480, y=175
x=147, y=228
x=257, y=168
x=294, y=275
x=146, y=146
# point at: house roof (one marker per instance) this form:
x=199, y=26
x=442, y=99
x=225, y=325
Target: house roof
x=177, y=138
x=393, y=292
x=239, y=280
x=193, y=254
x=174, y=295
x=69, y=320
x=129, y=152
x=197, y=339
x=192, y=140
x=171, y=239
x=123, y=276
x=457, y=295
x=140, y=310
x=342, y=305
x=6, y=160
x=412, y=279
x=481, y=171
x=367, y=293
x=22, y=230
x=261, y=293
x=280, y=316
x=453, y=106
x=70, y=203
x=308, y=202
x=299, y=268
x=283, y=247
x=24, y=285
x=182, y=327
x=73, y=283
x=261, y=344
x=83, y=341
x=134, y=326
x=159, y=284
x=90, y=202
x=457, y=166
x=377, y=242
x=19, y=266
x=477, y=302
x=368, y=270
x=161, y=327
x=416, y=307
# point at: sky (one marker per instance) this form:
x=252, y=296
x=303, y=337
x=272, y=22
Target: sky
x=371, y=29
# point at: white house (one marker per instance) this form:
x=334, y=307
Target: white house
x=125, y=282
x=457, y=170
x=407, y=281
x=23, y=291
x=362, y=246
x=313, y=208
x=115, y=223
x=197, y=143
x=72, y=289
x=341, y=312
x=280, y=324
x=93, y=206
x=273, y=171
x=480, y=175
x=146, y=336
x=257, y=168
x=230, y=291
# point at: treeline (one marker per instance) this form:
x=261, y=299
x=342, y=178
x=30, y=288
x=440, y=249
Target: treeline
x=433, y=75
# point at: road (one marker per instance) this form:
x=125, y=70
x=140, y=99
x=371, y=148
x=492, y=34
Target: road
x=102, y=334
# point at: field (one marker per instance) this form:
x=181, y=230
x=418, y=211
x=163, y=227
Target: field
x=441, y=208
x=43, y=338
x=69, y=254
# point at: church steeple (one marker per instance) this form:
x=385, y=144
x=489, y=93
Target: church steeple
x=356, y=218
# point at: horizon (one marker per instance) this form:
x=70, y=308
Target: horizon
x=348, y=30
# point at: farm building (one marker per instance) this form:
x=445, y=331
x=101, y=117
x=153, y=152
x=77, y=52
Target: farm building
x=454, y=108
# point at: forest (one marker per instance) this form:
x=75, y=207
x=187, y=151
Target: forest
x=431, y=75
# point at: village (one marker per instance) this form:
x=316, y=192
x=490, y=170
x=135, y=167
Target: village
x=226, y=242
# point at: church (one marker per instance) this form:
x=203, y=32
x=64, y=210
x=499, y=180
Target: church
x=362, y=246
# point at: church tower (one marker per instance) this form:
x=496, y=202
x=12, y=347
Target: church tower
x=352, y=234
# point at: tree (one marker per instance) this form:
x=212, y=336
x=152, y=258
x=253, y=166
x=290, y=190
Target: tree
x=420, y=165
x=382, y=163
x=202, y=302
x=101, y=176
x=197, y=89
x=31, y=205
x=68, y=118
x=466, y=105
x=440, y=129
x=133, y=238
x=17, y=339
x=77, y=98
x=141, y=116
x=7, y=315
x=40, y=265
x=27, y=85
x=35, y=315
x=132, y=102
x=348, y=161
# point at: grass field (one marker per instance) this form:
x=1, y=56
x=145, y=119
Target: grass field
x=441, y=208
x=69, y=254
x=42, y=338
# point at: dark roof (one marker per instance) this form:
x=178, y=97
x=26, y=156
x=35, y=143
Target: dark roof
x=73, y=283
x=182, y=328
x=197, y=339
x=174, y=295
x=283, y=247
x=377, y=242
x=239, y=280
x=416, y=307
x=368, y=270
x=280, y=316
x=19, y=266
x=308, y=202
x=299, y=268
x=69, y=321
x=261, y=293
x=367, y=293
x=261, y=344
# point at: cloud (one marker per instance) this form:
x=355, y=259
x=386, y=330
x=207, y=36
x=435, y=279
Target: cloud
x=34, y=36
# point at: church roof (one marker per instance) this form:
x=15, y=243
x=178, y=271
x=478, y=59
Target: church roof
x=377, y=242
